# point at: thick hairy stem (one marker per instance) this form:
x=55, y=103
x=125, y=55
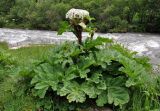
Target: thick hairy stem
x=92, y=34
x=78, y=30
x=80, y=37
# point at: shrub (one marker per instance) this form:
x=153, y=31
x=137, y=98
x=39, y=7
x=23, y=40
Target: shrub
x=99, y=71
x=71, y=76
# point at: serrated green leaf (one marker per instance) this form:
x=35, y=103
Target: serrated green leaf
x=53, y=84
x=41, y=93
x=34, y=80
x=70, y=76
x=64, y=26
x=98, y=41
x=130, y=82
x=73, y=92
x=116, y=93
x=76, y=96
x=102, y=85
x=64, y=91
x=41, y=85
x=118, y=81
x=71, y=73
x=83, y=73
x=90, y=90
x=86, y=62
x=102, y=99
x=95, y=77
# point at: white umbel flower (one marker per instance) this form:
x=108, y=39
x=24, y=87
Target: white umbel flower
x=77, y=13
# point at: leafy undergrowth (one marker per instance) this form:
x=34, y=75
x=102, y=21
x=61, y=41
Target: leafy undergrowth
x=13, y=96
x=70, y=77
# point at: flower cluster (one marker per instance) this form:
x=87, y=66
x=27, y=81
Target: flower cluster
x=79, y=20
x=77, y=13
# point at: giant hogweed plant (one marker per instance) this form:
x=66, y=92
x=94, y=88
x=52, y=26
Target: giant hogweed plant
x=98, y=70
x=78, y=21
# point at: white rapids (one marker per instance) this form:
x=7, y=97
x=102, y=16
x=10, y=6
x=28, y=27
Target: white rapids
x=144, y=43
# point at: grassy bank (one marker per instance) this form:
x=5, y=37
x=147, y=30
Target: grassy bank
x=26, y=54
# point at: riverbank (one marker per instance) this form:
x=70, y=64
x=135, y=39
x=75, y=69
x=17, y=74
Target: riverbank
x=144, y=43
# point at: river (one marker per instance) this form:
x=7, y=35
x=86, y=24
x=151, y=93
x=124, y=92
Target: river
x=144, y=43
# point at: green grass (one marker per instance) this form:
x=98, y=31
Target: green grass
x=26, y=54
x=3, y=45
x=23, y=57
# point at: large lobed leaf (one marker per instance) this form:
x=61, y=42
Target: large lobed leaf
x=115, y=93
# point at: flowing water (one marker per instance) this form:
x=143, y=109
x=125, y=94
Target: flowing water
x=144, y=43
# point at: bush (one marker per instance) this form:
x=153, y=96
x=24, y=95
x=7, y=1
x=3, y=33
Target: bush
x=98, y=71
x=71, y=77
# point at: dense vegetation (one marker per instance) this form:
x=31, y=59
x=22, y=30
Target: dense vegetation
x=111, y=15
x=13, y=96
x=70, y=77
x=85, y=75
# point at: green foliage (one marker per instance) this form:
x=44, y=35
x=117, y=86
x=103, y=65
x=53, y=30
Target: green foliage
x=6, y=63
x=15, y=73
x=64, y=27
x=13, y=96
x=98, y=70
x=111, y=15
x=115, y=93
x=70, y=77
x=5, y=6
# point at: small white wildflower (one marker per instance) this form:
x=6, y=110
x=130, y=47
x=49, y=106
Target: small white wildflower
x=77, y=13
